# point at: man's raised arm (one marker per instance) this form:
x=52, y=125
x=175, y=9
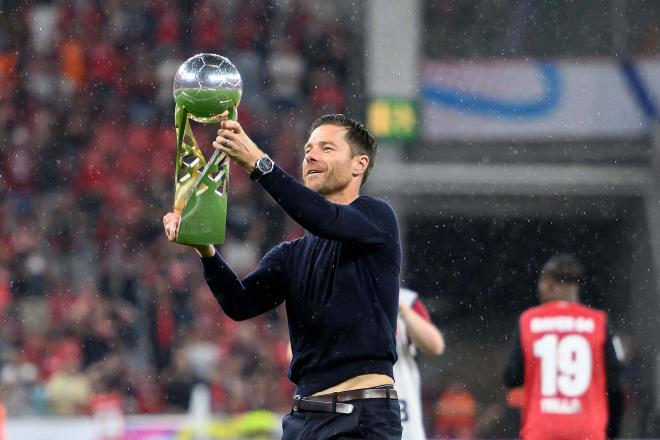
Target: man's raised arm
x=260, y=291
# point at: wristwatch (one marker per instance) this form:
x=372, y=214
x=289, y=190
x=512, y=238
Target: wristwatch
x=263, y=166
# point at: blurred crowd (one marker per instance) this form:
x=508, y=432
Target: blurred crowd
x=93, y=299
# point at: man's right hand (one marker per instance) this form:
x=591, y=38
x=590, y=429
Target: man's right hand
x=171, y=222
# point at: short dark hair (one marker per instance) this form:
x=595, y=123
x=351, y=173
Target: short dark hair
x=357, y=136
x=563, y=268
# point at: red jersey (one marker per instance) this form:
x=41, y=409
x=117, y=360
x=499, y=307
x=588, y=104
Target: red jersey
x=565, y=382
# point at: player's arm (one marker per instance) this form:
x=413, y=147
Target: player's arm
x=426, y=336
x=364, y=221
x=614, y=391
x=257, y=293
x=514, y=370
x=260, y=291
x=372, y=222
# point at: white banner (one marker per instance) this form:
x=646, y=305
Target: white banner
x=538, y=100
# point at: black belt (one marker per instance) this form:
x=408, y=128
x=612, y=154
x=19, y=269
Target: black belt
x=334, y=403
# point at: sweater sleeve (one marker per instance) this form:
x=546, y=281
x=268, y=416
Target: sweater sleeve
x=260, y=291
x=366, y=220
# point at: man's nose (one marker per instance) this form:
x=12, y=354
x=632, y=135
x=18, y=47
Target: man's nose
x=310, y=156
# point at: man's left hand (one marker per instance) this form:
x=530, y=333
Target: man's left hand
x=233, y=141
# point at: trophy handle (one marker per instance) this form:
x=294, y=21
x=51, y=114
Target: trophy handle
x=180, y=118
x=233, y=113
x=201, y=188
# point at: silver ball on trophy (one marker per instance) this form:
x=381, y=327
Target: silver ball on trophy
x=206, y=85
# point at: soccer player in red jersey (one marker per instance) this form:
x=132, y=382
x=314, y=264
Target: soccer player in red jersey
x=564, y=356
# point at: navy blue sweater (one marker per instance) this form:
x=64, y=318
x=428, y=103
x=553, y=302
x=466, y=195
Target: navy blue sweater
x=340, y=282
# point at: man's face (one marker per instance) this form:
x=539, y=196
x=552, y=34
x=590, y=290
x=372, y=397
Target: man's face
x=328, y=163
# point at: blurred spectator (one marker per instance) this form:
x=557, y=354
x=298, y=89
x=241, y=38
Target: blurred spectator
x=177, y=382
x=8, y=72
x=286, y=69
x=72, y=63
x=69, y=390
x=18, y=379
x=208, y=35
x=147, y=394
x=42, y=24
x=94, y=301
x=456, y=413
x=326, y=95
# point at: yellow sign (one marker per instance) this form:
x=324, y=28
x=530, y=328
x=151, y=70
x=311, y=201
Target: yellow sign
x=392, y=118
x=257, y=425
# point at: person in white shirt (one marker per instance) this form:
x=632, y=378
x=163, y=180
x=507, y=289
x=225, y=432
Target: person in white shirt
x=415, y=331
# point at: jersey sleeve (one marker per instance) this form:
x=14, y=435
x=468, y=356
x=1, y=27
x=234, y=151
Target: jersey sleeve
x=366, y=220
x=419, y=308
x=614, y=389
x=260, y=291
x=514, y=370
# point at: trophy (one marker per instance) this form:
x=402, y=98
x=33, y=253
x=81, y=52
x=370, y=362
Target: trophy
x=205, y=87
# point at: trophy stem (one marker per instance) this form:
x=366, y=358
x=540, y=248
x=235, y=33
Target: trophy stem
x=200, y=194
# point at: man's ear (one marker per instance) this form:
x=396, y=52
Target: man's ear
x=360, y=164
x=544, y=285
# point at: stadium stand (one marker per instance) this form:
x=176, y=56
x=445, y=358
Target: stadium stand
x=86, y=116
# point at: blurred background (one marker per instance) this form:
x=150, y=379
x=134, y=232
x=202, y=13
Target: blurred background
x=508, y=130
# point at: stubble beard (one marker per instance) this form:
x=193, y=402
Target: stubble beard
x=331, y=185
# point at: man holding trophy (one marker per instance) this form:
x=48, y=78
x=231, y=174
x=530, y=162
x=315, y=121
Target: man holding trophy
x=340, y=281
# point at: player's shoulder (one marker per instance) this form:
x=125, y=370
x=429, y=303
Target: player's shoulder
x=374, y=204
x=293, y=244
x=585, y=308
x=554, y=307
x=408, y=296
x=561, y=308
x=576, y=309
x=286, y=247
x=532, y=311
x=378, y=211
x=590, y=312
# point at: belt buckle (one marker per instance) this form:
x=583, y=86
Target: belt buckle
x=295, y=404
x=344, y=408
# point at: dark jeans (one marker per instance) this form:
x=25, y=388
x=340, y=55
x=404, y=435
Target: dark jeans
x=371, y=419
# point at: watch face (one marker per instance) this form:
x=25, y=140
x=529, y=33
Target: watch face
x=265, y=164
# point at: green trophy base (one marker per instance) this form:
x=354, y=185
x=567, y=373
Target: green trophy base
x=201, y=189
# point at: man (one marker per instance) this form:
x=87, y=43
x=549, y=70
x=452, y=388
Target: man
x=340, y=281
x=564, y=356
x=414, y=331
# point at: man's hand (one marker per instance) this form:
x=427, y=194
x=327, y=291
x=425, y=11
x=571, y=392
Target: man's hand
x=171, y=222
x=233, y=141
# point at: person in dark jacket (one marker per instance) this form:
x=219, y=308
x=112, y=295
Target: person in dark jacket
x=340, y=281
